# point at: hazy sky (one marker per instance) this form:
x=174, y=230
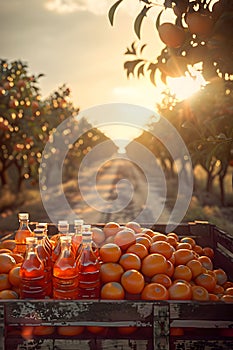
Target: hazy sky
x=72, y=41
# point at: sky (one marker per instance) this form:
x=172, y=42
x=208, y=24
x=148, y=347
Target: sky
x=72, y=42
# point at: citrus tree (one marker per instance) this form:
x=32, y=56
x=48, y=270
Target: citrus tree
x=199, y=36
x=200, y=32
x=27, y=121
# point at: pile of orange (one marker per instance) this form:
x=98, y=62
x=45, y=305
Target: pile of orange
x=138, y=263
x=10, y=263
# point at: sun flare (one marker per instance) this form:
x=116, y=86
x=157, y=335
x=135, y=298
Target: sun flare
x=186, y=86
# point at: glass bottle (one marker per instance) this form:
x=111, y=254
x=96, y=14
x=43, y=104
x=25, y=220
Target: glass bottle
x=63, y=230
x=77, y=237
x=87, y=228
x=46, y=258
x=65, y=272
x=44, y=226
x=88, y=270
x=22, y=233
x=32, y=273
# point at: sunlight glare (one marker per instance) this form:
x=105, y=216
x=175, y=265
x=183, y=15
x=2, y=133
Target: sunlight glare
x=186, y=86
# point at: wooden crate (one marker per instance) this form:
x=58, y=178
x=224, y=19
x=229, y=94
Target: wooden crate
x=206, y=325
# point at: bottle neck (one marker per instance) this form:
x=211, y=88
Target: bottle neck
x=23, y=224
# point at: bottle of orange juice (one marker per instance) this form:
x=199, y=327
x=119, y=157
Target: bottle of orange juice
x=65, y=272
x=32, y=273
x=44, y=226
x=77, y=236
x=22, y=233
x=63, y=230
x=88, y=269
x=45, y=256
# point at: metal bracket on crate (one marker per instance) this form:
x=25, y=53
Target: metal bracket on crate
x=161, y=326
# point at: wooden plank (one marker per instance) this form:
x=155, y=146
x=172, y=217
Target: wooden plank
x=192, y=310
x=2, y=327
x=54, y=312
x=201, y=344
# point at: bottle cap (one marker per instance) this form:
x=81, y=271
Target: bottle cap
x=78, y=222
x=86, y=228
x=41, y=225
x=23, y=216
x=39, y=232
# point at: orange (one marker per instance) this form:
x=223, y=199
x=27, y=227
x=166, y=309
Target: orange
x=154, y=263
x=6, y=262
x=184, y=245
x=170, y=268
x=162, y=247
x=200, y=293
x=154, y=291
x=4, y=281
x=111, y=272
x=208, y=252
x=8, y=294
x=14, y=276
x=195, y=267
x=134, y=226
x=5, y=250
x=228, y=298
x=199, y=24
x=125, y=238
x=229, y=291
x=176, y=331
x=171, y=35
x=221, y=276
x=70, y=331
x=8, y=244
x=132, y=281
x=98, y=235
x=143, y=240
x=213, y=297
x=180, y=291
x=182, y=272
x=110, y=252
x=163, y=279
x=172, y=240
x=138, y=249
x=182, y=256
x=97, y=329
x=18, y=258
x=227, y=284
x=207, y=281
x=189, y=240
x=130, y=261
x=43, y=330
x=112, y=291
x=148, y=232
x=159, y=237
x=218, y=290
x=198, y=249
x=206, y=262
x=173, y=234
x=111, y=228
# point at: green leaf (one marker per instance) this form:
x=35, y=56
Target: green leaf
x=139, y=19
x=158, y=20
x=141, y=70
x=130, y=66
x=112, y=11
x=132, y=50
x=152, y=68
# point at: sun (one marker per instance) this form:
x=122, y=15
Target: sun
x=185, y=86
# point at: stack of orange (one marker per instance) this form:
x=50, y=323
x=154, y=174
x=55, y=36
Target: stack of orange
x=10, y=263
x=138, y=263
